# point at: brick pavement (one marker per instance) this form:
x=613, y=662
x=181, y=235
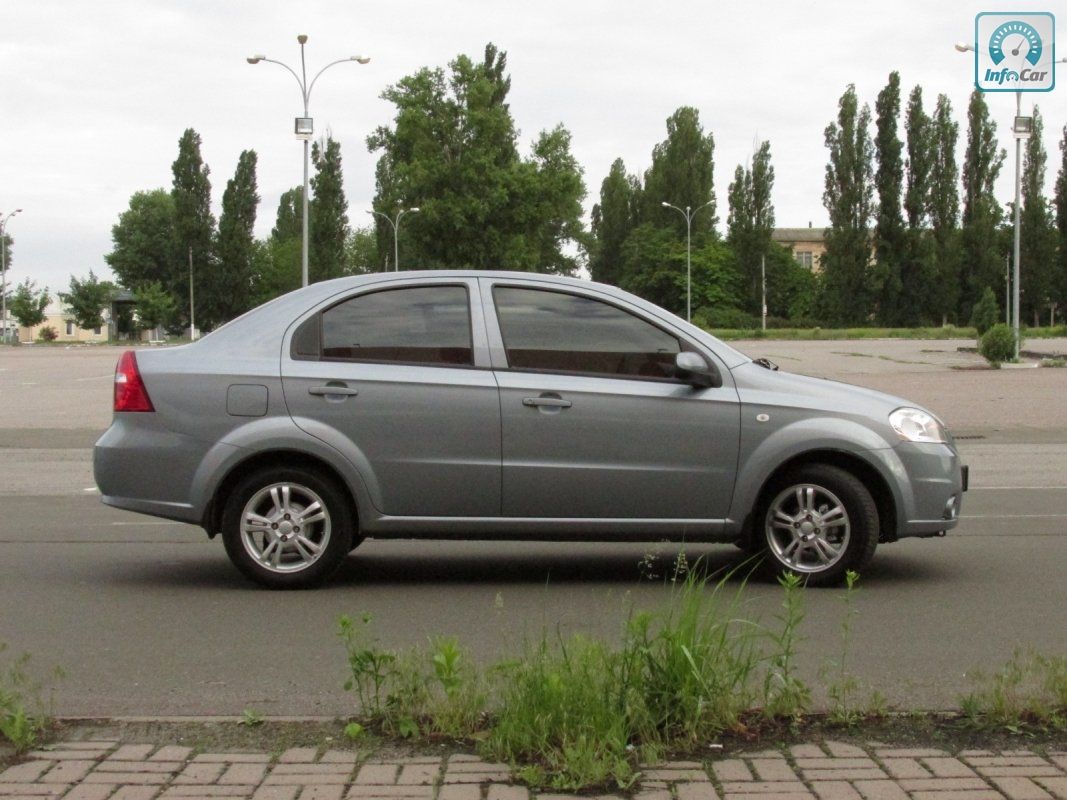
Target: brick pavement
x=90, y=770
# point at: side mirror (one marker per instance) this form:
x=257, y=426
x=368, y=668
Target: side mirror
x=694, y=370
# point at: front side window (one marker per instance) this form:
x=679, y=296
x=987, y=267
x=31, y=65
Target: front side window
x=414, y=325
x=560, y=332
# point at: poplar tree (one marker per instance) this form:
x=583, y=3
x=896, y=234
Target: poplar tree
x=944, y=210
x=1060, y=277
x=612, y=220
x=1037, y=231
x=751, y=221
x=194, y=225
x=237, y=244
x=918, y=269
x=328, y=213
x=682, y=174
x=982, y=260
x=889, y=238
x=848, y=197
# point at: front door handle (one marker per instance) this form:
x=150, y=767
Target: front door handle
x=329, y=390
x=546, y=402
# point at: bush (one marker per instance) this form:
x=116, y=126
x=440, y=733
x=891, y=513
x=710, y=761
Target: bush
x=47, y=334
x=726, y=317
x=997, y=344
x=985, y=313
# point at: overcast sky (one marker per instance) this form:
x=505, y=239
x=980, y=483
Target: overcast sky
x=96, y=94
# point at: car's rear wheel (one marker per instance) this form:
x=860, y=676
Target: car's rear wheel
x=819, y=521
x=287, y=528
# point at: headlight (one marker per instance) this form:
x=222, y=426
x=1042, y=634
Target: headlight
x=913, y=425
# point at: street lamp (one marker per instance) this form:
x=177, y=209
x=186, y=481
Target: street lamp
x=1022, y=128
x=3, y=269
x=396, y=231
x=304, y=128
x=688, y=214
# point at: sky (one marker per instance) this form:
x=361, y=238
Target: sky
x=96, y=95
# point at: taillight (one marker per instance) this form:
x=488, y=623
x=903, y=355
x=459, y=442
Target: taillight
x=130, y=391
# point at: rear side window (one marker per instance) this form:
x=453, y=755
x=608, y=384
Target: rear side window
x=560, y=332
x=416, y=325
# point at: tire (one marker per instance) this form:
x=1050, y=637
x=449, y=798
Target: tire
x=267, y=537
x=818, y=522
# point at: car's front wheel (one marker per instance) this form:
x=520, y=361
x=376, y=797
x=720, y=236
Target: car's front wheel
x=818, y=522
x=287, y=528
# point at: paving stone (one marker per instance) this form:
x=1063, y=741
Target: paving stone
x=909, y=752
x=68, y=771
x=172, y=753
x=675, y=775
x=132, y=778
x=834, y=790
x=731, y=769
x=377, y=773
x=765, y=788
x=187, y=791
x=1060, y=759
x=943, y=784
x=843, y=750
x=200, y=773
x=501, y=791
x=804, y=795
x=298, y=755
x=305, y=780
x=25, y=773
x=773, y=769
x=807, y=751
x=232, y=758
x=310, y=769
x=322, y=793
x=460, y=791
x=871, y=774
x=1058, y=786
x=418, y=774
x=1047, y=771
x=339, y=757
x=138, y=766
x=96, y=791
x=64, y=755
x=372, y=792
x=276, y=793
x=949, y=768
x=475, y=766
x=1029, y=760
x=880, y=790
x=135, y=793
x=968, y=794
x=477, y=777
x=32, y=789
x=655, y=794
x=1021, y=789
x=836, y=763
x=905, y=768
x=89, y=744
x=243, y=774
x=694, y=791
x=132, y=752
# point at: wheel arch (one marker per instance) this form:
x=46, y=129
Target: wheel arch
x=212, y=522
x=863, y=470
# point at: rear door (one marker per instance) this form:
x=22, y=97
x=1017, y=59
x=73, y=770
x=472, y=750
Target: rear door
x=396, y=376
x=594, y=424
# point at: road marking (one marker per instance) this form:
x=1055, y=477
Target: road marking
x=94, y=378
x=28, y=384
x=149, y=522
x=91, y=489
x=1006, y=488
x=1012, y=516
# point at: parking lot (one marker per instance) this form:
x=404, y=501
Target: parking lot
x=148, y=617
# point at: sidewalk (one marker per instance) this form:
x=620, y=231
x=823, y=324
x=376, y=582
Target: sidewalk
x=91, y=770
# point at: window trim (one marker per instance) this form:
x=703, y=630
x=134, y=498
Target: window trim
x=684, y=345
x=318, y=315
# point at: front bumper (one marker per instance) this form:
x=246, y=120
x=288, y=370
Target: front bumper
x=937, y=480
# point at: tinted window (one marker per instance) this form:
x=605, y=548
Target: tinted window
x=567, y=333
x=420, y=325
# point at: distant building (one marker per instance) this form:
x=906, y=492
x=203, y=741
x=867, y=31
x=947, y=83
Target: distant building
x=808, y=244
x=59, y=319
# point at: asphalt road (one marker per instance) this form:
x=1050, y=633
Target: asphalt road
x=148, y=617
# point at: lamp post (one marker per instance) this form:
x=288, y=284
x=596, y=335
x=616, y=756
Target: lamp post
x=304, y=128
x=688, y=214
x=396, y=230
x=1022, y=128
x=3, y=269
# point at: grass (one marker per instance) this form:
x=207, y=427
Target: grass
x=805, y=334
x=1029, y=691
x=24, y=714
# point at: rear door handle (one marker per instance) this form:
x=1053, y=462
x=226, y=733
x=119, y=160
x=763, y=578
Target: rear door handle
x=546, y=402
x=326, y=391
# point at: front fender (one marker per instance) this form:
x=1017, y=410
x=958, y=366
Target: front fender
x=763, y=453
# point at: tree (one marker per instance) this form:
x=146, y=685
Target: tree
x=918, y=278
x=751, y=221
x=155, y=307
x=982, y=262
x=361, y=252
x=943, y=207
x=452, y=152
x=613, y=218
x=1060, y=278
x=87, y=300
x=985, y=313
x=143, y=241
x=848, y=199
x=890, y=241
x=27, y=305
x=1037, y=229
x=194, y=230
x=328, y=214
x=236, y=244
x=289, y=223
x=682, y=174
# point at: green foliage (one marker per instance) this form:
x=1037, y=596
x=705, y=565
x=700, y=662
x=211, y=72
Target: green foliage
x=784, y=694
x=276, y=268
x=24, y=716
x=1059, y=282
x=328, y=215
x=194, y=228
x=1038, y=237
x=982, y=257
x=361, y=252
x=613, y=218
x=371, y=667
x=251, y=718
x=849, y=200
x=155, y=306
x=997, y=344
x=751, y=221
x=890, y=239
x=143, y=242
x=844, y=684
x=682, y=174
x=985, y=313
x=230, y=286
x=87, y=300
x=452, y=152
x=47, y=334
x=354, y=731
x=28, y=303
x=1029, y=690
x=944, y=209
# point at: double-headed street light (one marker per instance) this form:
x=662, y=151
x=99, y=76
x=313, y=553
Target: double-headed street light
x=688, y=214
x=304, y=128
x=3, y=269
x=396, y=231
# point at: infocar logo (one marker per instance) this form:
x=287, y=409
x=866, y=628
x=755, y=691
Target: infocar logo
x=1014, y=52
